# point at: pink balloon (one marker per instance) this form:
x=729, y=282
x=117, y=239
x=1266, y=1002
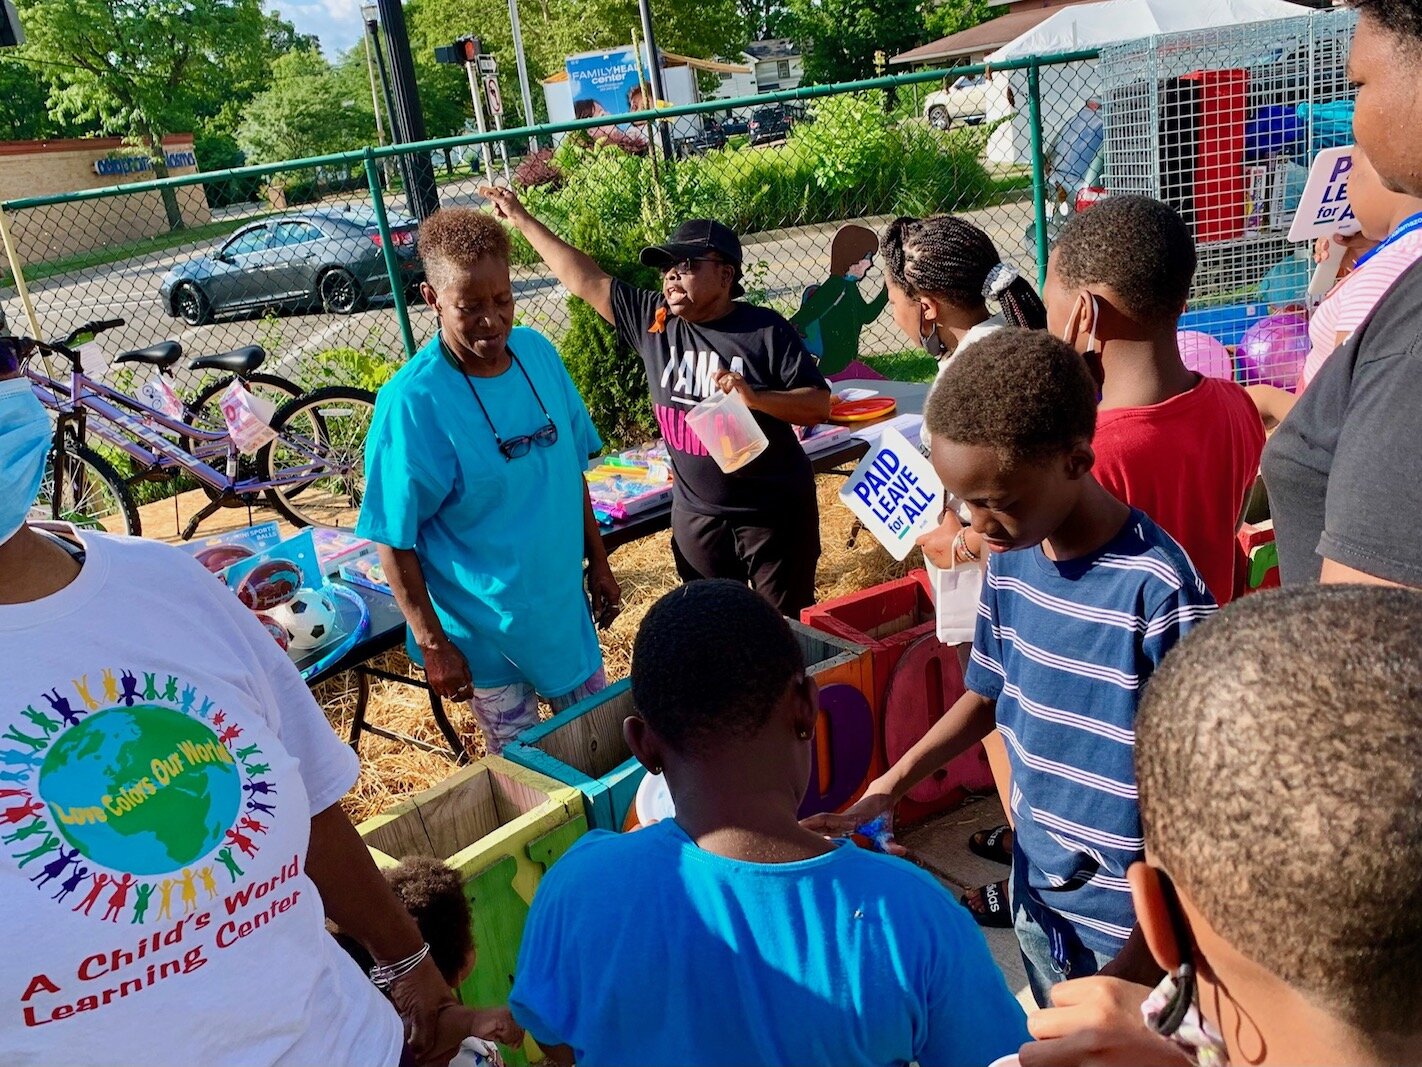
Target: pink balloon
x=1205, y=355
x=1273, y=350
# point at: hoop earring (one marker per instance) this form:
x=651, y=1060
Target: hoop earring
x=931, y=342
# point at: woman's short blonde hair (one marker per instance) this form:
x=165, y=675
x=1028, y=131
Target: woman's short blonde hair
x=458, y=237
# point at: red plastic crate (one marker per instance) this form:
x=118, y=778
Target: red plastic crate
x=890, y=620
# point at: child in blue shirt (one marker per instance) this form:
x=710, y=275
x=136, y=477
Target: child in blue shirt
x=1083, y=597
x=730, y=934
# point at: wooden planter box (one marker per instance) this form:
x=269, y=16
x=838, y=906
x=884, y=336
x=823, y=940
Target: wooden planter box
x=583, y=746
x=910, y=691
x=500, y=826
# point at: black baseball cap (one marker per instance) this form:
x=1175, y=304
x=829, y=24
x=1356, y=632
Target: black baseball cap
x=695, y=238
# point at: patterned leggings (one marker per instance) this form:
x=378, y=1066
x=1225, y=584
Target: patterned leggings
x=506, y=710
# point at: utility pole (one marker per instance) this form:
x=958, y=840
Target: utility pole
x=370, y=13
x=522, y=64
x=654, y=61
x=408, y=120
x=478, y=97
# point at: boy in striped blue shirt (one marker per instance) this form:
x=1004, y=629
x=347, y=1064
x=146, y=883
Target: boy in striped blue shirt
x=1083, y=598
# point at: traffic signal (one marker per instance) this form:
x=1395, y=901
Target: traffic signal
x=464, y=50
x=11, y=32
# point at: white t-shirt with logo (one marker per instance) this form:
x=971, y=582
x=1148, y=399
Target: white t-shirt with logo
x=160, y=761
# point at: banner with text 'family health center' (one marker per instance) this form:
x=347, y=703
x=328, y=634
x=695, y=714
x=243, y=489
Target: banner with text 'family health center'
x=606, y=83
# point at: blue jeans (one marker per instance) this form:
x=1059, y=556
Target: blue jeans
x=1043, y=971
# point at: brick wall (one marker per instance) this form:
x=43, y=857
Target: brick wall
x=42, y=168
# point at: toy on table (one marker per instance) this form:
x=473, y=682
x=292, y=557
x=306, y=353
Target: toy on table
x=220, y=551
x=285, y=587
x=849, y=411
x=309, y=618
x=366, y=572
x=628, y=483
x=335, y=547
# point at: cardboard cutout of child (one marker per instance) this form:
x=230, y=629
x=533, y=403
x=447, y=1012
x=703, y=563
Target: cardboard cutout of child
x=833, y=313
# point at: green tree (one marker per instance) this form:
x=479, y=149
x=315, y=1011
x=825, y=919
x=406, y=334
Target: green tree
x=145, y=70
x=954, y=16
x=841, y=36
x=306, y=111
x=24, y=102
x=763, y=19
x=555, y=29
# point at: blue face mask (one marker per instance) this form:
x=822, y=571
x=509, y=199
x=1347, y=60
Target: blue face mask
x=24, y=444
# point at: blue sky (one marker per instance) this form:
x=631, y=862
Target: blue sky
x=336, y=22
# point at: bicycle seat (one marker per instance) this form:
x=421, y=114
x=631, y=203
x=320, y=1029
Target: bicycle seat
x=164, y=354
x=238, y=361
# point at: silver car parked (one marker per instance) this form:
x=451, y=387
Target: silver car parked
x=323, y=259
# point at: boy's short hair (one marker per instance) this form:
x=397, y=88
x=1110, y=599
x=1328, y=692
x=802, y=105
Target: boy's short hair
x=1279, y=760
x=432, y=894
x=1023, y=393
x=455, y=237
x=1402, y=18
x=712, y=660
x=1139, y=248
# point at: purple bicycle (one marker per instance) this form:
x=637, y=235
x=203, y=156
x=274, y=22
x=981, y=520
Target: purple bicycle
x=312, y=471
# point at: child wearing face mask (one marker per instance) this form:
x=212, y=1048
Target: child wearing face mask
x=1286, y=941
x=1083, y=597
x=1181, y=447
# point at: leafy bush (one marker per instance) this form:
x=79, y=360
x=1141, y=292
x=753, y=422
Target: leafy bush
x=363, y=368
x=538, y=169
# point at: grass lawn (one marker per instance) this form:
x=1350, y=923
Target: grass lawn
x=98, y=257
x=910, y=365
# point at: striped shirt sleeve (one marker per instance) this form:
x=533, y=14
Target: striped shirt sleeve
x=986, y=674
x=1177, y=613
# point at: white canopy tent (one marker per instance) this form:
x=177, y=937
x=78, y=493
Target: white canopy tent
x=1066, y=87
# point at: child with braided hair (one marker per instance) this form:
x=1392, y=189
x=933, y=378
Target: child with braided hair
x=942, y=271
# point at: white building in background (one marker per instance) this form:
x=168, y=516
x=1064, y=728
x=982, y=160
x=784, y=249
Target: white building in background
x=772, y=66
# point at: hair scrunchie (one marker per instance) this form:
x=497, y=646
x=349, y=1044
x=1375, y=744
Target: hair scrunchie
x=998, y=279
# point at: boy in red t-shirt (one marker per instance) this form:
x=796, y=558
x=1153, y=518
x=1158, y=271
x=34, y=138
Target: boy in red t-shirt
x=1181, y=447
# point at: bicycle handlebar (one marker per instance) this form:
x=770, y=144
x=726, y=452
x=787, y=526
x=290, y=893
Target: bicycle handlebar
x=89, y=328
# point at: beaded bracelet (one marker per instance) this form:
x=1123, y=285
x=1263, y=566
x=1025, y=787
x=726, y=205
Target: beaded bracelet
x=961, y=552
x=385, y=975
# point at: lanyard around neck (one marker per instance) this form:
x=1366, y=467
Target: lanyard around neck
x=1408, y=225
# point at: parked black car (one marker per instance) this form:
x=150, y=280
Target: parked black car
x=322, y=259
x=712, y=135
x=769, y=124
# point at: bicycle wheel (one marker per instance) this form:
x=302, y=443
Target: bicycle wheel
x=205, y=413
x=320, y=453
x=93, y=496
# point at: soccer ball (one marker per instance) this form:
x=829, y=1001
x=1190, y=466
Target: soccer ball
x=309, y=618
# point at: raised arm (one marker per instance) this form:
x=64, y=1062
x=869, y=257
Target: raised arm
x=577, y=270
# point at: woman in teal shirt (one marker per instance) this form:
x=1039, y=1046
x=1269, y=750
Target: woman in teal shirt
x=475, y=494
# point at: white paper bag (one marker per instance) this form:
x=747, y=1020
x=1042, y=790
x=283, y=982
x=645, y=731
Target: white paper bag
x=956, y=592
x=248, y=418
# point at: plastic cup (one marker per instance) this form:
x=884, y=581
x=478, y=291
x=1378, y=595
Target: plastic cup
x=728, y=430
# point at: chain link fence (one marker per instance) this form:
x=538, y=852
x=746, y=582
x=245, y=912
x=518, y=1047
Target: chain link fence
x=317, y=260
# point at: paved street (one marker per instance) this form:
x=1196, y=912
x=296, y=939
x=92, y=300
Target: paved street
x=795, y=259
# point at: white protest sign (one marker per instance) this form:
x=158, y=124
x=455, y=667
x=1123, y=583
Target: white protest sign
x=1324, y=209
x=894, y=493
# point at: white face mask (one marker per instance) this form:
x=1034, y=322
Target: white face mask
x=1091, y=332
x=956, y=592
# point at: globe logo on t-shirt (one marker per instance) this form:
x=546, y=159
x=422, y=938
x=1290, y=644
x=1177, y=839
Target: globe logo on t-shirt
x=144, y=789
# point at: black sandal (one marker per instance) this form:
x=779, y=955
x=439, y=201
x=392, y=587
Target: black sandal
x=989, y=844
x=997, y=915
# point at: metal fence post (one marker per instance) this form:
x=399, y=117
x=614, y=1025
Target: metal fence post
x=21, y=288
x=1039, y=167
x=392, y=263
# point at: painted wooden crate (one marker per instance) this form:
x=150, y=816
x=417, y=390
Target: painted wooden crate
x=500, y=826
x=916, y=679
x=584, y=747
